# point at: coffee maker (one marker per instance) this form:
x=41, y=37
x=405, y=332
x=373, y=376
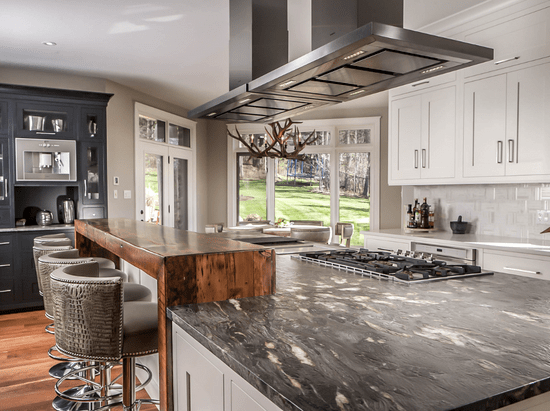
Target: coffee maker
x=65, y=210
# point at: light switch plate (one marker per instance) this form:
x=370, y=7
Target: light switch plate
x=127, y=194
x=116, y=181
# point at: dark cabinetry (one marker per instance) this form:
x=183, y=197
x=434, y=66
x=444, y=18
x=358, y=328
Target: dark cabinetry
x=46, y=114
x=18, y=281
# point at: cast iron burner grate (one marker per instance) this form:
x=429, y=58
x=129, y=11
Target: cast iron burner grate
x=387, y=266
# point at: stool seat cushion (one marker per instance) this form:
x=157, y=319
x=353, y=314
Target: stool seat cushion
x=104, y=262
x=140, y=328
x=136, y=292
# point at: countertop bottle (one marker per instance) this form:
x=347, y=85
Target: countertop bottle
x=424, y=214
x=410, y=217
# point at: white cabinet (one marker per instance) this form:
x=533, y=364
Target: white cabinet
x=423, y=136
x=202, y=382
x=516, y=39
x=379, y=243
x=527, y=265
x=506, y=125
x=484, y=126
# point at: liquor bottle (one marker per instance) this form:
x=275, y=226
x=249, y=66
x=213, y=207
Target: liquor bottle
x=416, y=212
x=424, y=214
x=431, y=218
x=410, y=217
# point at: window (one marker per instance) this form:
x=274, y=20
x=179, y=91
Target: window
x=335, y=182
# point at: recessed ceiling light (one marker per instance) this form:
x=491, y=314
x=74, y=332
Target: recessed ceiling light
x=49, y=43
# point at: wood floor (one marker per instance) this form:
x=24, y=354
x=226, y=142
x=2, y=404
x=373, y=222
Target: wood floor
x=25, y=384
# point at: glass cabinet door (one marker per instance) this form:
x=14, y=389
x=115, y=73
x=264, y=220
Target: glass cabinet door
x=92, y=173
x=4, y=172
x=92, y=123
x=37, y=120
x=3, y=117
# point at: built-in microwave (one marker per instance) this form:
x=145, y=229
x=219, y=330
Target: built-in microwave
x=45, y=160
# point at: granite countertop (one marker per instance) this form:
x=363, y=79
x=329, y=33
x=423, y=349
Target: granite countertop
x=524, y=245
x=332, y=340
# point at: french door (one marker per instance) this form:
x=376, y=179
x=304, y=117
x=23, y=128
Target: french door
x=164, y=185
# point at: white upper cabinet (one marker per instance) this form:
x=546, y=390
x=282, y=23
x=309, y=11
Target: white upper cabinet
x=422, y=136
x=528, y=121
x=516, y=39
x=484, y=126
x=507, y=126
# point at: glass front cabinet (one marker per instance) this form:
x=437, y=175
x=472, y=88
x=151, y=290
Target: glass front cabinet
x=92, y=173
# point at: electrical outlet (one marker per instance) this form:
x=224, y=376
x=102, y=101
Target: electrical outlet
x=127, y=194
x=543, y=217
x=115, y=194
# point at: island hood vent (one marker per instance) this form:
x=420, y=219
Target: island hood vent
x=369, y=59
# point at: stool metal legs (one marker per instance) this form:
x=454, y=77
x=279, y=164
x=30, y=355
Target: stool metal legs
x=129, y=385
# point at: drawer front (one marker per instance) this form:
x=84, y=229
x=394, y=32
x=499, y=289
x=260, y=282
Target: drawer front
x=7, y=290
x=523, y=39
x=5, y=218
x=519, y=264
x=92, y=212
x=382, y=244
x=6, y=244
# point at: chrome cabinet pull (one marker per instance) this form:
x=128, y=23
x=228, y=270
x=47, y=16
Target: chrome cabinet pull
x=45, y=132
x=5, y=265
x=499, y=151
x=423, y=158
x=522, y=271
x=506, y=60
x=6, y=188
x=415, y=158
x=421, y=83
x=85, y=189
x=5, y=243
x=510, y=151
x=5, y=291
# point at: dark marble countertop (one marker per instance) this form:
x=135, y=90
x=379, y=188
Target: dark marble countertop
x=332, y=340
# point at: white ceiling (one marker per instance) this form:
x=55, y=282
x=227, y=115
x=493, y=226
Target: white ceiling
x=176, y=50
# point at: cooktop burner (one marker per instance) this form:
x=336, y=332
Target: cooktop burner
x=406, y=268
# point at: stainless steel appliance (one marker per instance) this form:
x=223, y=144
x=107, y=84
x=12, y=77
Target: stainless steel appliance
x=68, y=213
x=40, y=160
x=406, y=267
x=44, y=217
x=462, y=255
x=378, y=55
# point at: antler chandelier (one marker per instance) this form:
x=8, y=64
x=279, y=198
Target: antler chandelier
x=279, y=139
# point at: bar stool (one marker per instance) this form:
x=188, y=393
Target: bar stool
x=113, y=330
x=50, y=262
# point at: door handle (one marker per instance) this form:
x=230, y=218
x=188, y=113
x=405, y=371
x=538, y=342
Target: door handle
x=499, y=151
x=415, y=158
x=5, y=188
x=423, y=158
x=510, y=151
x=522, y=271
x=85, y=188
x=5, y=243
x=5, y=291
x=5, y=265
x=506, y=60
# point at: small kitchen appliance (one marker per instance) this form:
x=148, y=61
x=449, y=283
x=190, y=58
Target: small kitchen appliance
x=44, y=217
x=65, y=210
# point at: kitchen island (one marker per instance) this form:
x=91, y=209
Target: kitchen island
x=189, y=268
x=332, y=340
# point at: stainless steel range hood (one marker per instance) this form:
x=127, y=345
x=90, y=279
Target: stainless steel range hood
x=372, y=58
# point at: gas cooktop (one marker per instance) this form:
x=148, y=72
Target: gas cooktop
x=406, y=268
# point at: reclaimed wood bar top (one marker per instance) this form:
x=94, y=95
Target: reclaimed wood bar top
x=189, y=268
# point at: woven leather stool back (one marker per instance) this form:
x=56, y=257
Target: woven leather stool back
x=87, y=312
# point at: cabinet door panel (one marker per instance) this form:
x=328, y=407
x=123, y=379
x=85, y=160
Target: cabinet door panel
x=437, y=157
x=199, y=382
x=406, y=132
x=518, y=40
x=485, y=127
x=528, y=127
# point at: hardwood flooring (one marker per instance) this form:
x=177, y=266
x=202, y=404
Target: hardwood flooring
x=25, y=384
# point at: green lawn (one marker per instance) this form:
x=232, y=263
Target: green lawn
x=301, y=203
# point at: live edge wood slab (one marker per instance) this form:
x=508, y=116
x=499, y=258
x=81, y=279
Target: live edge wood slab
x=189, y=268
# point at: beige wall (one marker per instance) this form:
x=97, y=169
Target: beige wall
x=120, y=132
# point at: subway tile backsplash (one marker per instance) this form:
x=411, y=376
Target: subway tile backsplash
x=508, y=210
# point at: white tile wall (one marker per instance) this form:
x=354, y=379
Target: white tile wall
x=508, y=210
